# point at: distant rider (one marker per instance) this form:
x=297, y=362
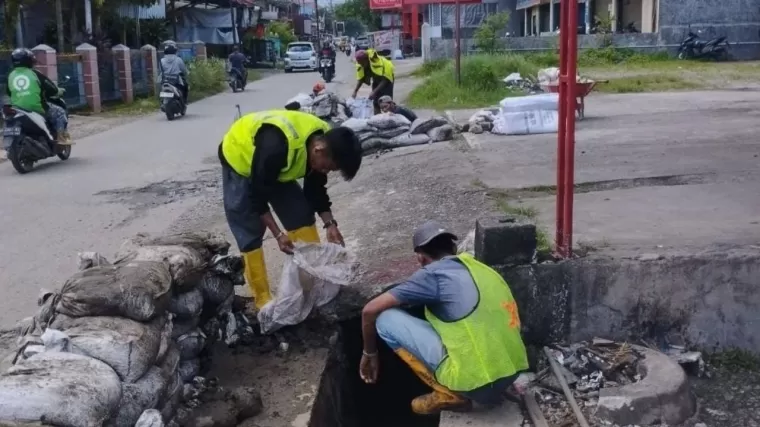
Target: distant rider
x=327, y=52
x=30, y=90
x=237, y=64
x=173, y=69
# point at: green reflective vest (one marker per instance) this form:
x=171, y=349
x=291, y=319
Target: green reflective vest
x=26, y=90
x=238, y=144
x=486, y=345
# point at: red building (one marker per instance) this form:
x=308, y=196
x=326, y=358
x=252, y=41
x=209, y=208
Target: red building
x=410, y=11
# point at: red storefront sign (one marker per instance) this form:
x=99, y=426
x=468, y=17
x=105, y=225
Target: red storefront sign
x=385, y=4
x=424, y=2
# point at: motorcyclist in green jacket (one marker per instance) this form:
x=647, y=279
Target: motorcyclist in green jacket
x=29, y=90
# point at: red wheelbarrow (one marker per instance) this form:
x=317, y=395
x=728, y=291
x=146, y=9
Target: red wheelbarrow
x=582, y=89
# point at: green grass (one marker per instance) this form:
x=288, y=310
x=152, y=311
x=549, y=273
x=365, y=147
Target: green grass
x=627, y=71
x=735, y=360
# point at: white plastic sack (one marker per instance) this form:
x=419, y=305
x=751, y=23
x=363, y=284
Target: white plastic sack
x=388, y=121
x=513, y=78
x=422, y=126
x=302, y=98
x=60, y=388
x=519, y=104
x=130, y=348
x=441, y=133
x=150, y=418
x=485, y=115
x=138, y=397
x=357, y=125
x=137, y=290
x=526, y=122
x=361, y=108
x=310, y=278
x=548, y=75
x=408, y=139
x=187, y=304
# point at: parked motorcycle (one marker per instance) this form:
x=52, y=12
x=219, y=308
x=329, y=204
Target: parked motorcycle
x=692, y=47
x=27, y=136
x=326, y=65
x=172, y=103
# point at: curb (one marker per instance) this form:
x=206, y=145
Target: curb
x=663, y=396
x=470, y=139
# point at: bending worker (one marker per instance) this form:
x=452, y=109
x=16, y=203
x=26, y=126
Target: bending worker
x=469, y=347
x=262, y=155
x=371, y=66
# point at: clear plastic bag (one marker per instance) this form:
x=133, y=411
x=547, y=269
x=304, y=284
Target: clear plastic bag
x=311, y=278
x=361, y=108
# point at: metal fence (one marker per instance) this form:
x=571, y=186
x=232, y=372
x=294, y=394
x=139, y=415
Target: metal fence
x=140, y=82
x=71, y=66
x=108, y=77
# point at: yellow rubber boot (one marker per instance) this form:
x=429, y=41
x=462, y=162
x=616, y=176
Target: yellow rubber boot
x=441, y=399
x=308, y=234
x=255, y=273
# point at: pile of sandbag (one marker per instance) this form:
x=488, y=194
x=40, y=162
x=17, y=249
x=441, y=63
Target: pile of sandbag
x=388, y=130
x=482, y=121
x=326, y=105
x=118, y=339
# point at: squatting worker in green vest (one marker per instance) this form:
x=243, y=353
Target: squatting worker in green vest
x=30, y=90
x=469, y=348
x=263, y=155
x=371, y=66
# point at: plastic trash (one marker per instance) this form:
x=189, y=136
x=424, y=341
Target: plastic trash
x=360, y=108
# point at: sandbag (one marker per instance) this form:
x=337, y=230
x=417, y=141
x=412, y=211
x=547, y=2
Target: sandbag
x=182, y=326
x=208, y=244
x=170, y=363
x=191, y=344
x=392, y=132
x=139, y=396
x=91, y=259
x=422, y=126
x=165, y=340
x=365, y=135
x=130, y=348
x=357, y=125
x=189, y=369
x=441, y=133
x=218, y=289
x=371, y=145
x=150, y=418
x=388, y=121
x=60, y=388
x=187, y=304
x=408, y=139
x=185, y=264
x=137, y=290
x=172, y=398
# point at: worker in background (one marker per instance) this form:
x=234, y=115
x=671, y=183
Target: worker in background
x=317, y=89
x=371, y=66
x=263, y=155
x=387, y=105
x=469, y=348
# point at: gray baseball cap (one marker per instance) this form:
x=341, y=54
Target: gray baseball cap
x=384, y=99
x=429, y=231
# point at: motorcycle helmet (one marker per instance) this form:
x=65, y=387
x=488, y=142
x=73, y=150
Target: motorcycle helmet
x=23, y=57
x=170, y=47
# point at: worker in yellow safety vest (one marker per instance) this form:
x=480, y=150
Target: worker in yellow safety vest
x=263, y=155
x=469, y=348
x=371, y=66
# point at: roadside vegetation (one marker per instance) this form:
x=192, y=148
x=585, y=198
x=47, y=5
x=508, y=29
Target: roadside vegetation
x=625, y=70
x=207, y=77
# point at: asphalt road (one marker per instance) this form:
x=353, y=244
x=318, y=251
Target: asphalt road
x=139, y=177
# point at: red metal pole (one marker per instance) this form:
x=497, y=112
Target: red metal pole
x=571, y=72
x=560, y=212
x=457, y=44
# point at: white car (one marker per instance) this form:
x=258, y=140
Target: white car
x=301, y=56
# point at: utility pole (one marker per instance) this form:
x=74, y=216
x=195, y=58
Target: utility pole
x=316, y=16
x=59, y=25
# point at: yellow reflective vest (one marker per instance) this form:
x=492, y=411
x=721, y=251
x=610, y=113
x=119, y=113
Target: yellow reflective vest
x=238, y=145
x=380, y=67
x=486, y=345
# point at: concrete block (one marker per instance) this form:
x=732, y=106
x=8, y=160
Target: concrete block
x=662, y=396
x=503, y=240
x=506, y=415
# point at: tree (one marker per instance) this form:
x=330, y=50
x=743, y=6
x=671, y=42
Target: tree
x=488, y=36
x=358, y=10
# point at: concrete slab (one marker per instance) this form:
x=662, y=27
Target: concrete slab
x=506, y=415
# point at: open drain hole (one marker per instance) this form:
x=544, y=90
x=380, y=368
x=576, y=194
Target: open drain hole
x=344, y=400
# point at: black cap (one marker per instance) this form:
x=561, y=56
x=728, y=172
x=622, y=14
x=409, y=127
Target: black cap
x=429, y=231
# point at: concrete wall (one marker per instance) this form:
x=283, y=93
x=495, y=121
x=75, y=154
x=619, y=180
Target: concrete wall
x=707, y=299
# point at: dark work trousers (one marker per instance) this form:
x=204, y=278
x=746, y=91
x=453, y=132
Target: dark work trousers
x=287, y=201
x=387, y=90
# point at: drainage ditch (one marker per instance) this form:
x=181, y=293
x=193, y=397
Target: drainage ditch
x=344, y=400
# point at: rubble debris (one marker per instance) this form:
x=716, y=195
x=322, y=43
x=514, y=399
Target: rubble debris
x=691, y=361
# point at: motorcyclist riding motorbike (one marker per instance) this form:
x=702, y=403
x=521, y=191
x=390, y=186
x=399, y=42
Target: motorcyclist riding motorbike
x=237, y=64
x=30, y=90
x=173, y=69
x=327, y=52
